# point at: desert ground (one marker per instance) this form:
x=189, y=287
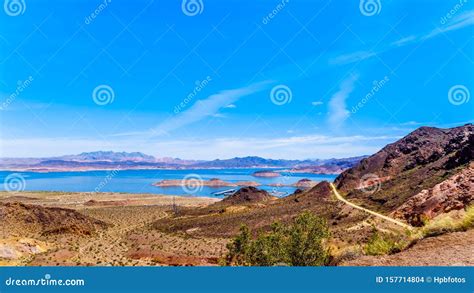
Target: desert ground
x=122, y=238
x=115, y=229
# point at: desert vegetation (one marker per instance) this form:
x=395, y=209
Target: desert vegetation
x=301, y=243
x=446, y=224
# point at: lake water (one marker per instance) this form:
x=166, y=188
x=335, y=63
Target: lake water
x=140, y=181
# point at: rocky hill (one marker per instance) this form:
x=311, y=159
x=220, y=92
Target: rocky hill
x=248, y=194
x=33, y=220
x=413, y=165
x=453, y=193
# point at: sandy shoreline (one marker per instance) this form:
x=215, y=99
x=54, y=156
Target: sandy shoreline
x=77, y=200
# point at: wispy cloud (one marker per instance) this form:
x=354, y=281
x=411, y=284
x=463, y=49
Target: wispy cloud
x=460, y=21
x=317, y=103
x=202, y=109
x=338, y=112
x=351, y=57
x=404, y=41
x=206, y=108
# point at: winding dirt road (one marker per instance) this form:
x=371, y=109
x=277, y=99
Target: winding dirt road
x=339, y=197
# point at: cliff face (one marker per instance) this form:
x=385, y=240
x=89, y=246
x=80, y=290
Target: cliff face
x=421, y=160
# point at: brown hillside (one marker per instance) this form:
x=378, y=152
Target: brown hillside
x=20, y=219
x=248, y=194
x=419, y=161
x=454, y=193
x=219, y=220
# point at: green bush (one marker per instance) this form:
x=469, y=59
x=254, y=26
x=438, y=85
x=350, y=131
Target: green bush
x=379, y=244
x=447, y=224
x=298, y=244
x=468, y=220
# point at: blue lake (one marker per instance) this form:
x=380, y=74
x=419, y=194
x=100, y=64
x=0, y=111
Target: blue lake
x=140, y=181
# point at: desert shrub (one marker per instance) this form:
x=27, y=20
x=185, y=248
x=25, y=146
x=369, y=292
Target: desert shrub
x=298, y=244
x=380, y=244
x=468, y=220
x=347, y=254
x=439, y=227
x=447, y=224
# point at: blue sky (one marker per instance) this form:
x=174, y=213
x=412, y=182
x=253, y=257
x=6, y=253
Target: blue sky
x=345, y=80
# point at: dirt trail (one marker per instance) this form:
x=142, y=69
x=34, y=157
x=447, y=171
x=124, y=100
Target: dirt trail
x=454, y=249
x=339, y=197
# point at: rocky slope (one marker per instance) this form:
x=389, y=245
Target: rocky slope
x=248, y=194
x=421, y=160
x=454, y=249
x=452, y=194
x=253, y=208
x=26, y=220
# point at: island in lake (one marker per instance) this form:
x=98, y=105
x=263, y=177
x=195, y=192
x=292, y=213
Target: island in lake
x=267, y=174
x=214, y=182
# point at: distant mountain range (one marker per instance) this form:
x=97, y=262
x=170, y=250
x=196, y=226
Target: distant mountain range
x=137, y=160
x=109, y=156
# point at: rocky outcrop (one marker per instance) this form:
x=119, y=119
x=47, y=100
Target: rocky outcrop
x=454, y=193
x=422, y=147
x=316, y=195
x=248, y=194
x=305, y=183
x=419, y=161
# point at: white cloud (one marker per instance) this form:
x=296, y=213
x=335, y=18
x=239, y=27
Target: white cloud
x=338, y=112
x=352, y=57
x=206, y=108
x=460, y=21
x=410, y=123
x=230, y=106
x=317, y=103
x=404, y=41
